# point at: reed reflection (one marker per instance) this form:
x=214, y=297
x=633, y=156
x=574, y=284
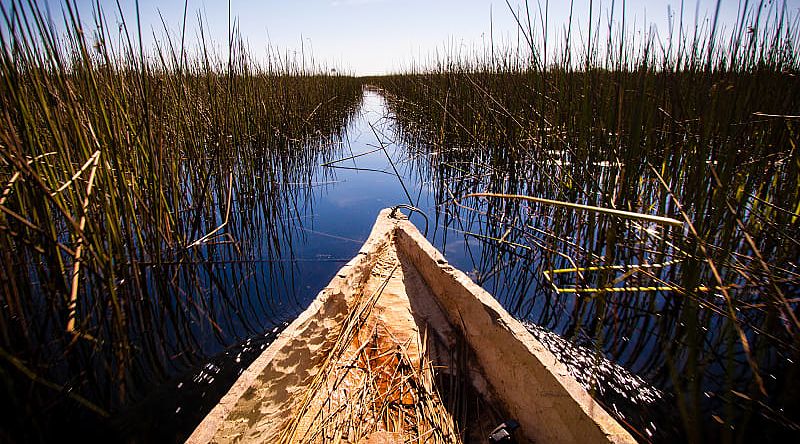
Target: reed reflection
x=149, y=207
x=704, y=311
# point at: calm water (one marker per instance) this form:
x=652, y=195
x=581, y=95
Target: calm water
x=331, y=217
x=285, y=255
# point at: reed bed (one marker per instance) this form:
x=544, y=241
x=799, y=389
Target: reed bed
x=700, y=127
x=139, y=191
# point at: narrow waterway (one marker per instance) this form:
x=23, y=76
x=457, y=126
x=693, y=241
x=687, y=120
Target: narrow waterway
x=331, y=216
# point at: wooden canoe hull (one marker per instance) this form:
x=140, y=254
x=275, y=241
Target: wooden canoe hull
x=421, y=296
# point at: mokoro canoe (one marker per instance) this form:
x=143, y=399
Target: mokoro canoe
x=402, y=347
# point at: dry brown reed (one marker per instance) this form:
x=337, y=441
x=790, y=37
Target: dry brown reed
x=368, y=383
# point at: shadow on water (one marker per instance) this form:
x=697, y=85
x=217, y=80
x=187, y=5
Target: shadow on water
x=171, y=411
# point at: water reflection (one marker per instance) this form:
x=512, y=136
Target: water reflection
x=491, y=245
x=297, y=214
x=171, y=411
x=639, y=294
x=206, y=262
x=290, y=234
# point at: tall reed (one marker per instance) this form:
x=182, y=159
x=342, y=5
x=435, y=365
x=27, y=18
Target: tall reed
x=701, y=127
x=140, y=190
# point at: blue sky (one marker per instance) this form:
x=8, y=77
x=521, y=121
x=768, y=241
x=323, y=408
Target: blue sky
x=380, y=36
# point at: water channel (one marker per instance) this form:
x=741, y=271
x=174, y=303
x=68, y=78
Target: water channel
x=615, y=348
x=331, y=217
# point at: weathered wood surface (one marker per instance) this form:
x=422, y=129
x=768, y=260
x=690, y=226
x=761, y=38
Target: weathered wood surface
x=434, y=309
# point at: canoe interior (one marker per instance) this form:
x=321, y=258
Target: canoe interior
x=402, y=347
